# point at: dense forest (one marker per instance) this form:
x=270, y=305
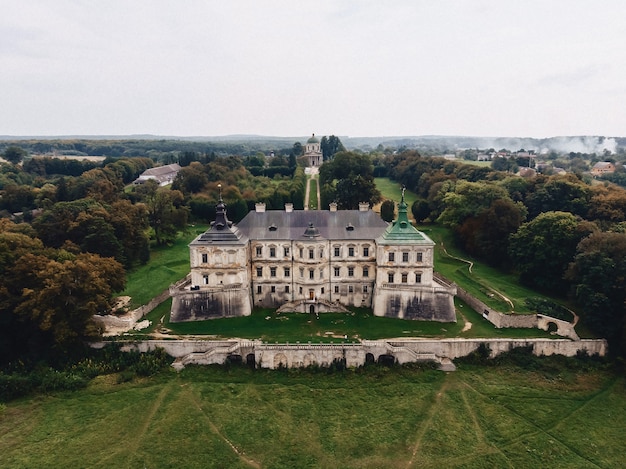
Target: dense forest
x=70, y=229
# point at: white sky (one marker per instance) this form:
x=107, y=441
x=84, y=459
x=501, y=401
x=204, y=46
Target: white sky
x=531, y=68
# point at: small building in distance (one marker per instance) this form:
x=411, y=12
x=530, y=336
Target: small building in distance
x=313, y=261
x=602, y=167
x=313, y=152
x=164, y=175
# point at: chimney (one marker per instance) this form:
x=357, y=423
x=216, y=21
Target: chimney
x=259, y=207
x=333, y=206
x=288, y=208
x=364, y=206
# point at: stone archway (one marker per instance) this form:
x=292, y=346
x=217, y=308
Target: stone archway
x=251, y=360
x=309, y=360
x=280, y=361
x=386, y=360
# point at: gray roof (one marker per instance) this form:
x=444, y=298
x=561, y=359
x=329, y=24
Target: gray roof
x=339, y=225
x=162, y=170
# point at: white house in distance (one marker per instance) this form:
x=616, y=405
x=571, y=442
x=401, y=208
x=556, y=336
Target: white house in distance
x=164, y=175
x=312, y=261
x=313, y=152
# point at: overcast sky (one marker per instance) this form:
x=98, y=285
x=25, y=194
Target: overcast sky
x=288, y=68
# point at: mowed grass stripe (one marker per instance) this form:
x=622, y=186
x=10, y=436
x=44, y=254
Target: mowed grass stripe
x=374, y=417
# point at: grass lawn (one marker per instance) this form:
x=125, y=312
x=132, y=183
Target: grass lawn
x=313, y=194
x=392, y=190
x=209, y=417
x=360, y=323
x=167, y=265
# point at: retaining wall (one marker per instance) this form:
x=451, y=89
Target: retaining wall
x=273, y=356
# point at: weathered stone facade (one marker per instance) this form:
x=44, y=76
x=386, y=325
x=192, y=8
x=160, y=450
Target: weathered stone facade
x=258, y=354
x=313, y=261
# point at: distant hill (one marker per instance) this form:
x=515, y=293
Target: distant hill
x=443, y=143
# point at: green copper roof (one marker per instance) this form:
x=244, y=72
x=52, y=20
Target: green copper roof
x=402, y=232
x=313, y=139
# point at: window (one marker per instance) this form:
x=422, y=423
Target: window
x=301, y=253
x=350, y=271
x=322, y=290
x=337, y=252
x=350, y=289
x=272, y=271
x=205, y=258
x=366, y=272
x=272, y=252
x=336, y=288
x=311, y=274
x=336, y=271
x=364, y=288
x=273, y=289
x=321, y=273
x=259, y=289
x=286, y=288
x=351, y=252
x=321, y=253
x=418, y=278
x=259, y=271
x=301, y=290
x=405, y=257
x=311, y=254
x=287, y=272
x=419, y=257
x=390, y=277
x=405, y=278
x=286, y=252
x=392, y=256
x=366, y=251
x=205, y=279
x=259, y=251
x=301, y=272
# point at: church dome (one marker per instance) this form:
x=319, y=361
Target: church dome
x=313, y=139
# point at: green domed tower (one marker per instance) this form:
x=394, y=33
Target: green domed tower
x=313, y=151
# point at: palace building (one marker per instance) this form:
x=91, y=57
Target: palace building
x=312, y=261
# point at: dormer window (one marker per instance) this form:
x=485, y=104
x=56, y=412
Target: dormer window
x=349, y=227
x=272, y=227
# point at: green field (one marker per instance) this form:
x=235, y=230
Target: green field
x=375, y=417
x=313, y=194
x=392, y=190
x=167, y=265
x=270, y=326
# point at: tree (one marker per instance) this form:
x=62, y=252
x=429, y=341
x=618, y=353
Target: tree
x=191, y=179
x=420, y=210
x=14, y=154
x=166, y=212
x=330, y=146
x=65, y=294
x=598, y=276
x=542, y=249
x=387, y=210
x=348, y=179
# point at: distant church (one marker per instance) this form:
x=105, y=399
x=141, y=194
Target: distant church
x=313, y=152
x=312, y=261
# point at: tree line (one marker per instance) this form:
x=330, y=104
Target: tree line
x=561, y=235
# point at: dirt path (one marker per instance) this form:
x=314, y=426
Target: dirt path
x=434, y=408
x=250, y=462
